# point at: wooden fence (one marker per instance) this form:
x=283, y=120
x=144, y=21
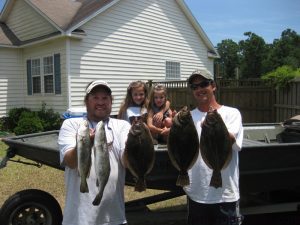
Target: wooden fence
x=288, y=101
x=257, y=102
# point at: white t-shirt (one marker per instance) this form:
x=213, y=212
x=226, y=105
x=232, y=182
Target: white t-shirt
x=200, y=174
x=134, y=111
x=79, y=209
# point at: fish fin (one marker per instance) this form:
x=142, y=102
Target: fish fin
x=98, y=198
x=183, y=179
x=140, y=185
x=84, y=186
x=216, y=179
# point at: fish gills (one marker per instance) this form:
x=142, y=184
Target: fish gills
x=215, y=146
x=139, y=153
x=102, y=164
x=183, y=145
x=83, y=147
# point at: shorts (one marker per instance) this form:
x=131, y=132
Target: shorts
x=226, y=213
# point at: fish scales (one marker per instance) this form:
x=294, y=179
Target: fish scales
x=139, y=153
x=183, y=145
x=83, y=146
x=101, y=164
x=215, y=145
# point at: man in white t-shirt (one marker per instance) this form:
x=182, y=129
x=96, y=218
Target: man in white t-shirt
x=79, y=209
x=207, y=204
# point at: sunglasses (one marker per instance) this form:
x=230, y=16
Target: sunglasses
x=202, y=84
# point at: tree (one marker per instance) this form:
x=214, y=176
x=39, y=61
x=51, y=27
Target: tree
x=229, y=59
x=253, y=51
x=285, y=51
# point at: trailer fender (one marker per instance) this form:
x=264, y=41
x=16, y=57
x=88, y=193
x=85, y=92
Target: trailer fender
x=31, y=206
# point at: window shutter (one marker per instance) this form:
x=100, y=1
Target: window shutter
x=57, y=74
x=29, y=80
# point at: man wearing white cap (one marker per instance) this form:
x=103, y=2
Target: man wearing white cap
x=79, y=209
x=208, y=204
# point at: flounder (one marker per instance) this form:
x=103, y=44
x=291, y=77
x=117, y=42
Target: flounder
x=139, y=153
x=183, y=145
x=215, y=145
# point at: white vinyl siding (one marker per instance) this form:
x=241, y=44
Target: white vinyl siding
x=28, y=24
x=132, y=41
x=58, y=102
x=11, y=83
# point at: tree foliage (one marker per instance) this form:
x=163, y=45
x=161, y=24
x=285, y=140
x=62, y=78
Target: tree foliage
x=229, y=59
x=254, y=58
x=253, y=51
x=281, y=76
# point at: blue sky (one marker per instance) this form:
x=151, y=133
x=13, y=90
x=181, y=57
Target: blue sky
x=230, y=19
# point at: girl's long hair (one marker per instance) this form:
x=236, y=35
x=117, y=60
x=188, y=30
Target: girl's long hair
x=128, y=101
x=156, y=87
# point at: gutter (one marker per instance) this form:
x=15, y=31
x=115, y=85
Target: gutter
x=75, y=35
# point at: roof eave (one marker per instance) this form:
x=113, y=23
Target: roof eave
x=6, y=9
x=74, y=35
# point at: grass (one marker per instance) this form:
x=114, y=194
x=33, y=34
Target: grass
x=16, y=177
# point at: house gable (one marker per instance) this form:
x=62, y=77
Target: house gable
x=26, y=23
x=135, y=40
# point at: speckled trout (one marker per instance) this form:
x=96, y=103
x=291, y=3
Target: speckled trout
x=102, y=165
x=83, y=147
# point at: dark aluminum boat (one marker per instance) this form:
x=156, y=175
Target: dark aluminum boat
x=266, y=164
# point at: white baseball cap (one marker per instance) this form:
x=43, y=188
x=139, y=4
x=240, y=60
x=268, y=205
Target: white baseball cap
x=97, y=83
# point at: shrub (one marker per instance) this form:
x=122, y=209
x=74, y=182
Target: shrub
x=14, y=117
x=19, y=120
x=50, y=120
x=281, y=76
x=29, y=123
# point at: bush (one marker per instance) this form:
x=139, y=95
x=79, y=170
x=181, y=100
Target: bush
x=281, y=76
x=4, y=123
x=14, y=117
x=29, y=123
x=24, y=121
x=50, y=120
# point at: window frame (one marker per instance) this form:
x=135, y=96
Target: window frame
x=42, y=74
x=173, y=70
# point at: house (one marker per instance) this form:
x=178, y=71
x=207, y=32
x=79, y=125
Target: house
x=51, y=49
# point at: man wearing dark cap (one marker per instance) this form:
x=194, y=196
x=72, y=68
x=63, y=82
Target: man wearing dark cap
x=207, y=204
x=79, y=209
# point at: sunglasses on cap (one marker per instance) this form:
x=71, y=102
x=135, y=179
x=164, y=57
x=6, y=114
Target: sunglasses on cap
x=202, y=84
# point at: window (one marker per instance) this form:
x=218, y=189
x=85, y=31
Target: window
x=36, y=76
x=43, y=75
x=172, y=70
x=48, y=75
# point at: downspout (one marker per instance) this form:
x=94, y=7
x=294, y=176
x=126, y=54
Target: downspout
x=68, y=72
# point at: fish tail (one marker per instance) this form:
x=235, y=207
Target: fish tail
x=98, y=198
x=183, y=179
x=140, y=185
x=84, y=186
x=216, y=179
